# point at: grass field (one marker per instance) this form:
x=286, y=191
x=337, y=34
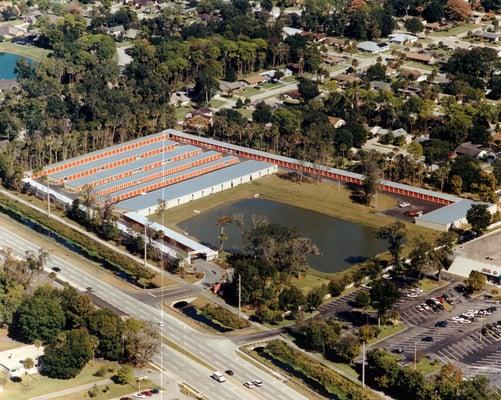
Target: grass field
x=388, y=330
x=308, y=281
x=428, y=285
x=427, y=366
x=456, y=30
x=37, y=385
x=35, y=53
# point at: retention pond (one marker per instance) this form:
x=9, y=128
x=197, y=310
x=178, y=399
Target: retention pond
x=342, y=243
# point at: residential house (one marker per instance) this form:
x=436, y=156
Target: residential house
x=380, y=85
x=131, y=34
x=254, y=80
x=423, y=58
x=402, y=38
x=333, y=60
x=412, y=75
x=32, y=16
x=347, y=79
x=288, y=31
x=12, y=361
x=373, y=47
x=338, y=43
x=470, y=149
x=115, y=31
x=337, y=122
x=180, y=98
x=10, y=31
x=492, y=37
x=228, y=88
x=401, y=132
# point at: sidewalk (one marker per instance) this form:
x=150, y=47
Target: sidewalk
x=75, y=389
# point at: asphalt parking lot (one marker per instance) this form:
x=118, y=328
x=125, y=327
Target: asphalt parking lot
x=415, y=204
x=486, y=249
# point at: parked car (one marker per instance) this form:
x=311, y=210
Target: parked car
x=398, y=350
x=404, y=204
x=442, y=324
x=427, y=339
x=90, y=289
x=56, y=269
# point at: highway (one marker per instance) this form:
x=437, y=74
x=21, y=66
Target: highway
x=220, y=353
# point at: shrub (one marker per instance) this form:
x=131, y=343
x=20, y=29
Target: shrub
x=223, y=316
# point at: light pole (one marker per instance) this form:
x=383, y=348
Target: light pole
x=239, y=294
x=145, y=242
x=363, y=364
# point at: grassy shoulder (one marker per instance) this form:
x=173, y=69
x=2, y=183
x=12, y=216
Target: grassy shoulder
x=314, y=373
x=38, y=385
x=223, y=317
x=35, y=53
x=387, y=331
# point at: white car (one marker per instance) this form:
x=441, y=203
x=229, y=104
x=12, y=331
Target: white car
x=249, y=385
x=411, y=294
x=159, y=323
x=404, y=204
x=139, y=396
x=257, y=382
x=425, y=306
x=218, y=376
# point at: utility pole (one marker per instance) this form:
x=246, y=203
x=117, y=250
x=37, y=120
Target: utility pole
x=48, y=199
x=363, y=364
x=145, y=242
x=415, y=356
x=239, y=295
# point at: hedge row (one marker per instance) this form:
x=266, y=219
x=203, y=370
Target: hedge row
x=119, y=263
x=223, y=317
x=331, y=381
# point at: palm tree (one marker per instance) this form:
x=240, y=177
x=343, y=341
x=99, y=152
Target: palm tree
x=222, y=222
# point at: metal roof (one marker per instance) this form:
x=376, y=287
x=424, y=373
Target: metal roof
x=289, y=160
x=171, y=234
x=110, y=159
x=152, y=171
x=161, y=179
x=116, y=146
x=448, y=214
x=193, y=185
x=142, y=162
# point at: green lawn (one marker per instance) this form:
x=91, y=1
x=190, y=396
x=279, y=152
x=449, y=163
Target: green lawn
x=388, y=330
x=180, y=112
x=308, y=281
x=427, y=285
x=269, y=85
x=246, y=113
x=427, y=366
x=413, y=64
x=105, y=392
x=456, y=30
x=37, y=385
x=215, y=103
x=35, y=53
x=248, y=92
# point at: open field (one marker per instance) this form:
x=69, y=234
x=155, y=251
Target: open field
x=308, y=281
x=37, y=385
x=35, y=53
x=457, y=30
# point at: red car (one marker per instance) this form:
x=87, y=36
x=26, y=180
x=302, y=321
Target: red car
x=147, y=393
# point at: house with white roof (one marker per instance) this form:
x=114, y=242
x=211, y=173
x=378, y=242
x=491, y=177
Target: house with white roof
x=12, y=361
x=373, y=47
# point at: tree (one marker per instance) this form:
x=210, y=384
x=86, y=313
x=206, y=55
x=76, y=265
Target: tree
x=371, y=180
x=475, y=282
x=444, y=248
x=291, y=299
x=479, y=217
x=108, y=328
x=384, y=294
x=315, y=298
x=38, y=317
x=434, y=11
x=308, y=89
x=497, y=170
x=36, y=262
x=347, y=348
x=336, y=287
x=395, y=234
x=414, y=25
x=65, y=360
x=363, y=299
x=376, y=72
x=141, y=341
x=421, y=255
x=28, y=364
x=124, y=374
x=263, y=113
x=222, y=222
x=458, y=10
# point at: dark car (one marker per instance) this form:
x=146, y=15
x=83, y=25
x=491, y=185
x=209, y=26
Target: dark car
x=442, y=324
x=427, y=339
x=398, y=351
x=229, y=372
x=147, y=393
x=126, y=398
x=155, y=391
x=56, y=269
x=90, y=289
